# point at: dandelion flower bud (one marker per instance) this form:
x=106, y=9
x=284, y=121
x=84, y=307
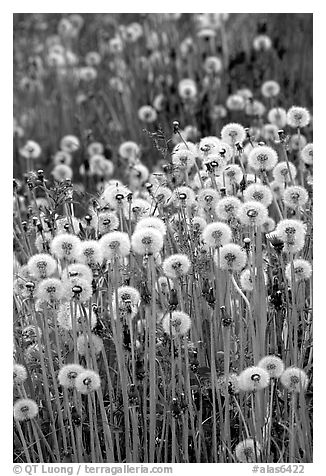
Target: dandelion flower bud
x=25, y=409
x=19, y=374
x=259, y=193
x=107, y=221
x=183, y=196
x=273, y=365
x=84, y=343
x=252, y=213
x=246, y=280
x=307, y=154
x=270, y=89
x=77, y=288
x=114, y=244
x=298, y=117
x=147, y=241
x=78, y=271
x=176, y=323
x=228, y=385
x=41, y=265
x=281, y=172
x=232, y=257
x=152, y=222
x=66, y=246
x=262, y=158
x=50, y=289
x=302, y=270
x=253, y=378
x=248, y=451
x=233, y=133
x=294, y=379
x=68, y=373
x=90, y=253
x=217, y=234
x=295, y=196
x=69, y=143
x=227, y=208
x=176, y=265
x=87, y=382
x=277, y=116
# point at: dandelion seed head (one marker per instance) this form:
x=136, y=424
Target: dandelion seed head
x=19, y=374
x=227, y=208
x=65, y=246
x=152, y=222
x=262, y=158
x=50, y=289
x=307, y=154
x=232, y=257
x=85, y=345
x=41, y=265
x=147, y=241
x=258, y=192
x=25, y=409
x=90, y=254
x=77, y=270
x=183, y=196
x=235, y=102
x=228, y=385
x=68, y=373
x=76, y=287
x=208, y=197
x=252, y=213
x=270, y=89
x=62, y=157
x=233, y=133
x=253, y=378
x=177, y=323
x=298, y=117
x=281, y=172
x=87, y=382
x=107, y=221
x=187, y=89
x=247, y=450
x=302, y=270
x=273, y=365
x=294, y=379
x=114, y=244
x=62, y=172
x=277, y=116
x=246, y=280
x=66, y=313
x=295, y=196
x=217, y=234
x=176, y=265
x=69, y=144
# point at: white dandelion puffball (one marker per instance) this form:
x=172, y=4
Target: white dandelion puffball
x=78, y=288
x=77, y=270
x=298, y=117
x=19, y=374
x=294, y=379
x=69, y=143
x=87, y=382
x=307, y=154
x=227, y=208
x=68, y=373
x=252, y=213
x=295, y=196
x=147, y=241
x=262, y=158
x=90, y=253
x=115, y=244
x=233, y=133
x=217, y=234
x=176, y=265
x=50, y=289
x=248, y=451
x=232, y=257
x=281, y=172
x=152, y=222
x=259, y=193
x=270, y=89
x=177, y=323
x=25, y=409
x=253, y=379
x=273, y=365
x=66, y=246
x=183, y=196
x=41, y=265
x=277, y=116
x=246, y=280
x=86, y=345
x=302, y=270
